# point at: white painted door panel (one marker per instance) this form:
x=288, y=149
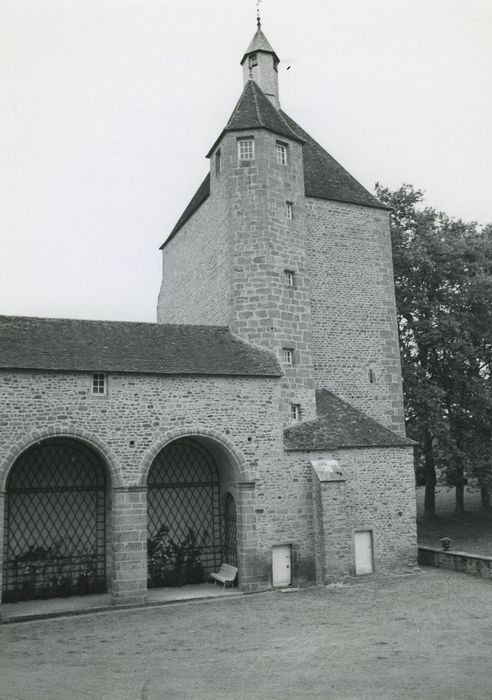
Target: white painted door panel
x=281, y=571
x=363, y=552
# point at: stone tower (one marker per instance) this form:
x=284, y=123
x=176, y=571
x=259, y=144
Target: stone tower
x=284, y=246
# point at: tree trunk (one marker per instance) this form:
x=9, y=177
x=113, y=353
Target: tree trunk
x=460, y=498
x=430, y=477
x=484, y=497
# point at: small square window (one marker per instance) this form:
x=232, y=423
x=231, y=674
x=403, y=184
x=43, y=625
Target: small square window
x=98, y=383
x=289, y=208
x=253, y=60
x=290, y=278
x=246, y=149
x=295, y=411
x=288, y=356
x=281, y=153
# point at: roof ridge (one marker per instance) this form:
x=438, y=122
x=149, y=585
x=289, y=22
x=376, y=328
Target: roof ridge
x=255, y=86
x=11, y=317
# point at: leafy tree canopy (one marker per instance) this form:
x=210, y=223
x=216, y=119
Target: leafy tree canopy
x=443, y=281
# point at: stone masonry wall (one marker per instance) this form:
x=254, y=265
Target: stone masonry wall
x=380, y=496
x=195, y=272
x=128, y=427
x=264, y=243
x=353, y=308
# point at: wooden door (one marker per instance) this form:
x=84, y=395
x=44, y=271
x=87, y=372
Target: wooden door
x=363, y=552
x=281, y=568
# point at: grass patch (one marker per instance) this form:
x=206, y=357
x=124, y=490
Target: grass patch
x=471, y=532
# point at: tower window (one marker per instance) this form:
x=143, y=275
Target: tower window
x=252, y=60
x=281, y=153
x=372, y=376
x=99, y=385
x=295, y=411
x=288, y=356
x=217, y=162
x=246, y=149
x=289, y=210
x=290, y=278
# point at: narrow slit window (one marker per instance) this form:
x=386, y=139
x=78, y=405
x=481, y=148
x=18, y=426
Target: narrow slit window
x=246, y=149
x=372, y=376
x=295, y=411
x=290, y=278
x=289, y=207
x=288, y=356
x=282, y=153
x=217, y=162
x=99, y=383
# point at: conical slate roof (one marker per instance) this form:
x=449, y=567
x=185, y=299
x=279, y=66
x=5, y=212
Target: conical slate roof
x=324, y=177
x=255, y=111
x=259, y=43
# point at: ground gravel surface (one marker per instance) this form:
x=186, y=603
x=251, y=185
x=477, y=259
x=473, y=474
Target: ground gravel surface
x=425, y=635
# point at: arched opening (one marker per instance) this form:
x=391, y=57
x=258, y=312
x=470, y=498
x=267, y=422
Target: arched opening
x=55, y=522
x=186, y=530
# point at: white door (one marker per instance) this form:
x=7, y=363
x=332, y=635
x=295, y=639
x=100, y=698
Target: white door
x=281, y=565
x=363, y=552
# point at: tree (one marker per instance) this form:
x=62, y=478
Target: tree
x=443, y=282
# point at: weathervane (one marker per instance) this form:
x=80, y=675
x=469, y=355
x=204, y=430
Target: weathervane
x=258, y=18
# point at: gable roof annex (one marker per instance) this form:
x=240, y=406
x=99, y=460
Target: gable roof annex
x=127, y=347
x=340, y=425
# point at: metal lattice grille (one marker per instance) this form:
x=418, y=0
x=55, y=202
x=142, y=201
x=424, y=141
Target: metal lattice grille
x=183, y=496
x=55, y=519
x=230, y=531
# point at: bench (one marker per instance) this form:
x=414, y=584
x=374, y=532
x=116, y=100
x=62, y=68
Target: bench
x=225, y=575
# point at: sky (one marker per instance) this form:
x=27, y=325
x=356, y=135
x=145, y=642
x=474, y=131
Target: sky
x=108, y=108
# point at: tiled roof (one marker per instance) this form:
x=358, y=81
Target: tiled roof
x=325, y=178
x=117, y=346
x=259, y=43
x=255, y=111
x=339, y=425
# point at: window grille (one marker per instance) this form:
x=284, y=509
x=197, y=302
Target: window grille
x=230, y=531
x=184, y=494
x=246, y=149
x=55, y=523
x=289, y=210
x=253, y=60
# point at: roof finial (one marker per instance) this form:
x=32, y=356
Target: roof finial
x=258, y=18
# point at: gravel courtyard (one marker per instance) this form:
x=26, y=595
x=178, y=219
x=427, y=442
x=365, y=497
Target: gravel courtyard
x=425, y=635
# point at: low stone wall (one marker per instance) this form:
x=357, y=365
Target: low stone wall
x=457, y=561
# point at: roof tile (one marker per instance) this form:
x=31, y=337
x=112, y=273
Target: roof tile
x=120, y=346
x=339, y=425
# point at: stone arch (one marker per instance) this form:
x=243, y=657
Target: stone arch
x=57, y=498
x=112, y=469
x=239, y=466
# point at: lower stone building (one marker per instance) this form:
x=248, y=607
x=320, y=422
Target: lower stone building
x=259, y=423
